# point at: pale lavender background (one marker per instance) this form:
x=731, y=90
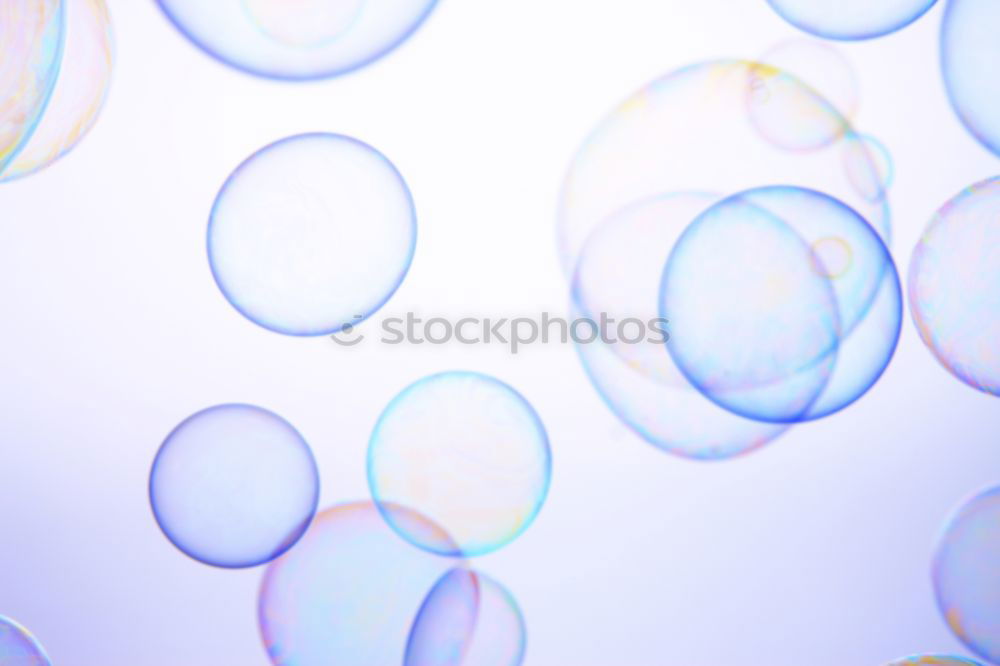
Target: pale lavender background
x=814, y=551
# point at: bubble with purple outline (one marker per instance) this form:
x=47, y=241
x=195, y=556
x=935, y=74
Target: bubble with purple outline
x=850, y=20
x=234, y=486
x=312, y=234
x=970, y=57
x=18, y=647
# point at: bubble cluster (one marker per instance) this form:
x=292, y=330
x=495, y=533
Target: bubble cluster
x=954, y=286
x=297, y=39
x=468, y=619
x=850, y=19
x=970, y=57
x=18, y=647
x=79, y=91
x=931, y=660
x=234, y=486
x=31, y=39
x=808, y=285
x=311, y=234
x=350, y=590
x=967, y=575
x=468, y=452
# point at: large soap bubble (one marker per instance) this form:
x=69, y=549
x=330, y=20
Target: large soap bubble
x=618, y=278
x=967, y=575
x=851, y=19
x=297, y=39
x=468, y=452
x=970, y=59
x=18, y=647
x=79, y=93
x=311, y=234
x=784, y=304
x=687, y=131
x=32, y=36
x=954, y=286
x=933, y=660
x=350, y=590
x=234, y=486
x=468, y=619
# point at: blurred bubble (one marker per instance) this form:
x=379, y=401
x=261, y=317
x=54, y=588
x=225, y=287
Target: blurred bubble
x=234, y=486
x=821, y=67
x=468, y=619
x=312, y=234
x=685, y=132
x=18, y=647
x=348, y=593
x=809, y=286
x=32, y=36
x=466, y=451
x=297, y=39
x=967, y=575
x=80, y=91
x=869, y=166
x=970, y=59
x=850, y=19
x=934, y=661
x=954, y=273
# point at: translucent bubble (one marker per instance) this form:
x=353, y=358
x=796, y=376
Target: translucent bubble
x=821, y=67
x=18, y=647
x=811, y=289
x=934, y=661
x=850, y=19
x=32, y=36
x=967, y=575
x=869, y=167
x=312, y=234
x=970, y=58
x=80, y=91
x=297, y=39
x=234, y=486
x=348, y=593
x=468, y=619
x=681, y=133
x=468, y=452
x=954, y=273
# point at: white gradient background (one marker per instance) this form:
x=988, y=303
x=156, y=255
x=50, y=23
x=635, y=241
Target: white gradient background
x=814, y=551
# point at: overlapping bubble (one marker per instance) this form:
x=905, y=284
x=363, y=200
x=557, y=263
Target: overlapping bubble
x=79, y=92
x=970, y=58
x=297, y=39
x=808, y=285
x=967, y=575
x=933, y=660
x=820, y=66
x=32, y=34
x=618, y=275
x=18, y=647
x=468, y=452
x=851, y=19
x=954, y=286
x=234, y=486
x=468, y=619
x=311, y=234
x=350, y=590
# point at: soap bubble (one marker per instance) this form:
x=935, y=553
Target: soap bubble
x=685, y=133
x=970, y=59
x=869, y=166
x=297, y=39
x=967, y=575
x=234, y=486
x=18, y=647
x=850, y=19
x=934, y=661
x=784, y=304
x=466, y=451
x=954, y=286
x=348, y=593
x=468, y=619
x=312, y=234
x=821, y=67
x=32, y=36
x=79, y=93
